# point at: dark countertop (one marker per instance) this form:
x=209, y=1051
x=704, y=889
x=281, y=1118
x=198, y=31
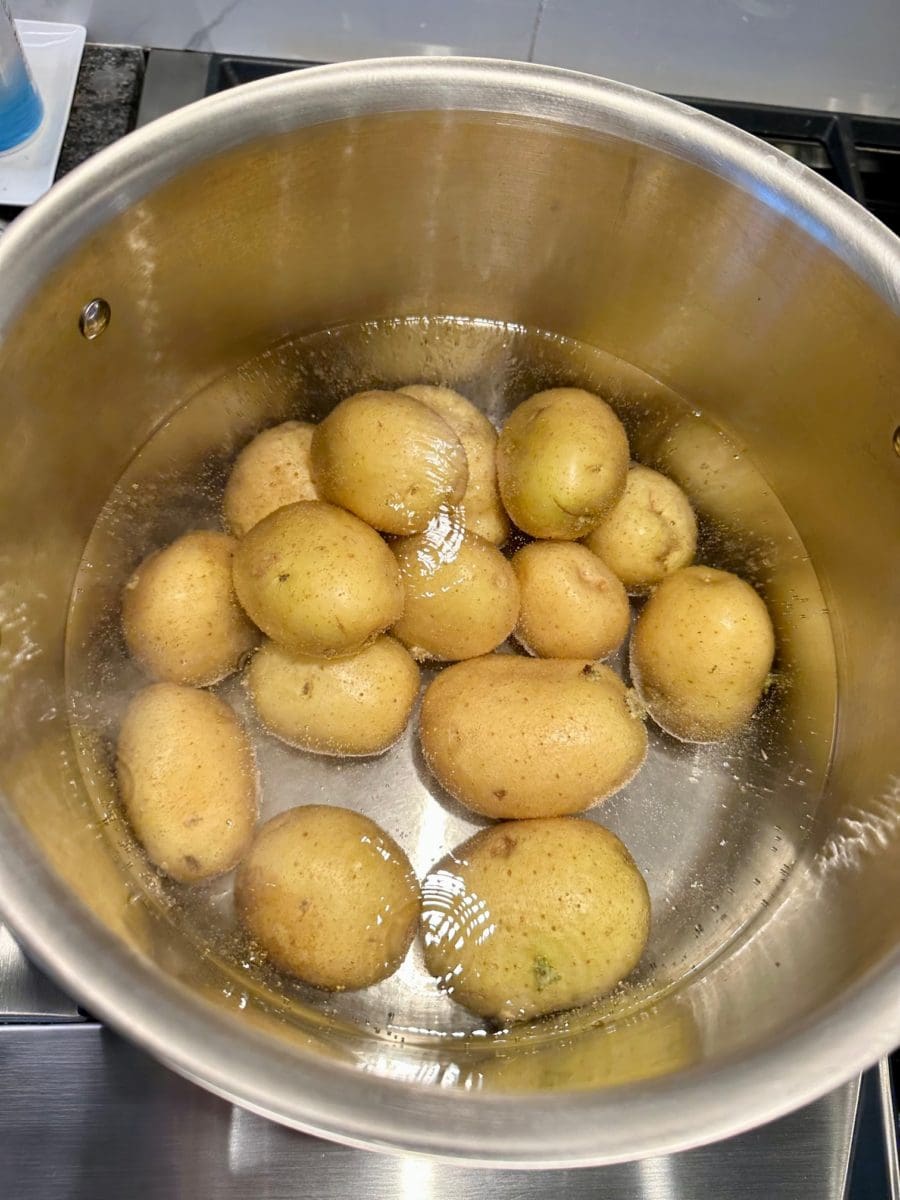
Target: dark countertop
x=105, y=104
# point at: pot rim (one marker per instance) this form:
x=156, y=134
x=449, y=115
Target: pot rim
x=319, y=1096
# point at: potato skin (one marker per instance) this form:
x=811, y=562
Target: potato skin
x=187, y=780
x=701, y=651
x=349, y=706
x=531, y=917
x=271, y=471
x=562, y=459
x=317, y=580
x=389, y=459
x=330, y=897
x=180, y=615
x=482, y=510
x=571, y=605
x=523, y=737
x=649, y=532
x=462, y=597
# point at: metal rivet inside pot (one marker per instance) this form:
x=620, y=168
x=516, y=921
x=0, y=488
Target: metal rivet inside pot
x=896, y=440
x=94, y=318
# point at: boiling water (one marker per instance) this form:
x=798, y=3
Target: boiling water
x=714, y=829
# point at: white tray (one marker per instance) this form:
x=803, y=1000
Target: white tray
x=53, y=51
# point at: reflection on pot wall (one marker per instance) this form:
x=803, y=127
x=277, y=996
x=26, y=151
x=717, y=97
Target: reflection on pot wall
x=809, y=53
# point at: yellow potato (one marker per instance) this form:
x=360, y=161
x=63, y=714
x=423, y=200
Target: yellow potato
x=461, y=593
x=701, y=652
x=650, y=532
x=562, y=459
x=270, y=472
x=355, y=705
x=482, y=511
x=317, y=580
x=187, y=780
x=571, y=604
x=390, y=459
x=180, y=616
x=531, y=917
x=329, y=897
x=723, y=484
x=525, y=737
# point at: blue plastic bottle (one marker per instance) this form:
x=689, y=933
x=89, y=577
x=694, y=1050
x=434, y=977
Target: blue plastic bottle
x=21, y=109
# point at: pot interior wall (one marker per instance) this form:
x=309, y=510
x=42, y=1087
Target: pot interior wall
x=704, y=288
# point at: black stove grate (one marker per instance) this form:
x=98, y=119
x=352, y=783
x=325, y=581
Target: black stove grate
x=860, y=155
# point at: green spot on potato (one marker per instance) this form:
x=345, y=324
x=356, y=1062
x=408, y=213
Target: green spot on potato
x=544, y=972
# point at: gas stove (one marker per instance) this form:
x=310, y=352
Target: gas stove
x=85, y=1114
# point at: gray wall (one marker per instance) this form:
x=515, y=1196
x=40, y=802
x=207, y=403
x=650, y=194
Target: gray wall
x=833, y=54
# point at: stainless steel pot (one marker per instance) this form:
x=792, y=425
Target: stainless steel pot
x=716, y=265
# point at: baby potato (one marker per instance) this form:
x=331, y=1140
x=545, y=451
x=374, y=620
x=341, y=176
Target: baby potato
x=389, y=459
x=524, y=737
x=355, y=705
x=482, y=511
x=317, y=580
x=701, y=651
x=187, y=781
x=462, y=598
x=562, y=459
x=270, y=472
x=571, y=604
x=180, y=616
x=531, y=917
x=650, y=532
x=330, y=897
